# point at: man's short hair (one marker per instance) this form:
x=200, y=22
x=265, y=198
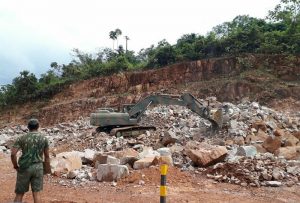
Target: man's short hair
x=33, y=124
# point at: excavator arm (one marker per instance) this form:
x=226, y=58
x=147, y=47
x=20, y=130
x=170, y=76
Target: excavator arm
x=187, y=100
x=127, y=121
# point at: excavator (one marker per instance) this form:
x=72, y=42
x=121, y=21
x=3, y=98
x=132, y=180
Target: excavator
x=125, y=122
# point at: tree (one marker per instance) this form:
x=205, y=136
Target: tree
x=106, y=54
x=56, y=69
x=185, y=47
x=113, y=36
x=163, y=55
x=287, y=11
x=118, y=32
x=126, y=38
x=25, y=86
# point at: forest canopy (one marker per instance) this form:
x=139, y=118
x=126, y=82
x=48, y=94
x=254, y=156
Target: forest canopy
x=279, y=33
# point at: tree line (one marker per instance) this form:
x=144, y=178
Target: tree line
x=279, y=33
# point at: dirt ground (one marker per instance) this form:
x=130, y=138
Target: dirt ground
x=182, y=187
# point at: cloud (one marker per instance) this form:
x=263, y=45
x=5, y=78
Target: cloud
x=35, y=33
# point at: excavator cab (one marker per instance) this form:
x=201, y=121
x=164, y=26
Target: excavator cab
x=125, y=108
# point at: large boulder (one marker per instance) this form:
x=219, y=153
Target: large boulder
x=158, y=160
x=65, y=162
x=104, y=159
x=259, y=125
x=60, y=165
x=260, y=136
x=143, y=163
x=88, y=156
x=289, y=152
x=207, y=157
x=239, y=140
x=271, y=144
x=148, y=152
x=277, y=174
x=128, y=160
x=289, y=140
x=129, y=152
x=260, y=148
x=126, y=156
x=111, y=172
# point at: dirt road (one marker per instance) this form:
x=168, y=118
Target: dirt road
x=183, y=187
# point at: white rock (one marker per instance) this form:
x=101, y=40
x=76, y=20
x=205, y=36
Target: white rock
x=233, y=124
x=164, y=151
x=248, y=151
x=148, y=152
x=89, y=154
x=277, y=174
x=65, y=162
x=2, y=149
x=273, y=183
x=111, y=172
x=105, y=159
x=143, y=163
x=255, y=105
x=294, y=170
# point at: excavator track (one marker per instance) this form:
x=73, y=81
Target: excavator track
x=130, y=131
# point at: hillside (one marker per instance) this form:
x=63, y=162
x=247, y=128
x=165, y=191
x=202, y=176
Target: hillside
x=268, y=79
x=254, y=156
x=272, y=80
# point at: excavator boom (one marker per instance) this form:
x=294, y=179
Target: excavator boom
x=105, y=118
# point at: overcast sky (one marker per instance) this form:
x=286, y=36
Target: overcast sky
x=34, y=33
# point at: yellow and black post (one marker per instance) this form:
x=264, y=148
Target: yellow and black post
x=163, y=183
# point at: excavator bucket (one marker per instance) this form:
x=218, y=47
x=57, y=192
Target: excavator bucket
x=216, y=117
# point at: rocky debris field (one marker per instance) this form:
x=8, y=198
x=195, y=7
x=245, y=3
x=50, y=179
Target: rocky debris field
x=257, y=146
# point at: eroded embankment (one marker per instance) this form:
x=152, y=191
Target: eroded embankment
x=259, y=77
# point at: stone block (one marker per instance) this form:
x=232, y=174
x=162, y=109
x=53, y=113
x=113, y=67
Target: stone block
x=111, y=172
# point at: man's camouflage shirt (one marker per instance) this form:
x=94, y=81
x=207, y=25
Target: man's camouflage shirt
x=32, y=145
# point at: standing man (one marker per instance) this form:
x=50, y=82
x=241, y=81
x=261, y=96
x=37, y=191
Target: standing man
x=30, y=165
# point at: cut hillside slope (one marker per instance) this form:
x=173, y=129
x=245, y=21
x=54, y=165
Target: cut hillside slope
x=269, y=79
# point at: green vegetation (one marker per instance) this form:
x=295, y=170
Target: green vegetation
x=279, y=33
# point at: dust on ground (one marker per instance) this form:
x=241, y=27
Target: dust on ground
x=182, y=187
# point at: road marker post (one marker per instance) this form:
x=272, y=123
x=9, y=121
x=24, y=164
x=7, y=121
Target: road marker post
x=163, y=183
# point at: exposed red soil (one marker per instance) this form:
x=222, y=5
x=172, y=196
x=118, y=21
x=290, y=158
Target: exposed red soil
x=269, y=79
x=182, y=187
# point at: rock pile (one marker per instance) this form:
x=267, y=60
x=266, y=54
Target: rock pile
x=257, y=146
x=260, y=170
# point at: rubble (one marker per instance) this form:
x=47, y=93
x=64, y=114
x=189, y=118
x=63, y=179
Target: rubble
x=259, y=170
x=258, y=146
